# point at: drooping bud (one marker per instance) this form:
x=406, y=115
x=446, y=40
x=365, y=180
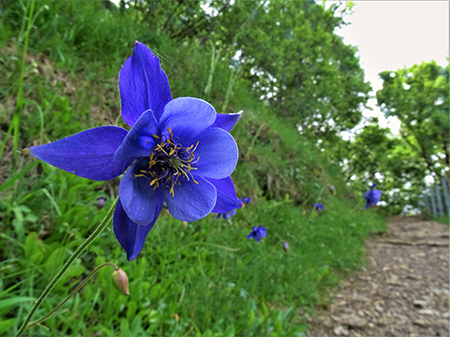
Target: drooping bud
x=286, y=246
x=120, y=281
x=101, y=202
x=332, y=189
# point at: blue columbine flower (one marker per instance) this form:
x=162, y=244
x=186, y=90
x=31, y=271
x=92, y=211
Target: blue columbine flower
x=286, y=246
x=257, y=233
x=372, y=197
x=246, y=200
x=319, y=207
x=227, y=215
x=180, y=152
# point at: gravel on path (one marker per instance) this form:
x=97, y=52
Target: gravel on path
x=404, y=292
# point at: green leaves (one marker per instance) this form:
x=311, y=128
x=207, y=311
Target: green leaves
x=418, y=97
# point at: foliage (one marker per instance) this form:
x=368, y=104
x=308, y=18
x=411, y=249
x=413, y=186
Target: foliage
x=418, y=96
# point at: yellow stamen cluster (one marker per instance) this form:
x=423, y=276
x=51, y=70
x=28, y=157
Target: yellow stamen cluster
x=169, y=162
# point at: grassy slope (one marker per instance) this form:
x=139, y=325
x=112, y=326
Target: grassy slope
x=216, y=281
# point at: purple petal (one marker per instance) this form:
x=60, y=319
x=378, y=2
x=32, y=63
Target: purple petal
x=263, y=233
x=187, y=117
x=88, y=154
x=139, y=199
x=366, y=195
x=376, y=195
x=143, y=85
x=226, y=195
x=139, y=140
x=191, y=201
x=226, y=121
x=130, y=235
x=218, y=154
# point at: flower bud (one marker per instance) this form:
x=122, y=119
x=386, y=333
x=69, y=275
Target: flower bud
x=286, y=246
x=331, y=189
x=120, y=281
x=101, y=202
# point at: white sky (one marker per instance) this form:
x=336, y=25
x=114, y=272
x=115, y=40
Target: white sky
x=394, y=34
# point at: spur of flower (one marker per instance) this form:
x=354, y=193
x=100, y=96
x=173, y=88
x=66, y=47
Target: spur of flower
x=372, y=197
x=180, y=151
x=257, y=233
x=318, y=207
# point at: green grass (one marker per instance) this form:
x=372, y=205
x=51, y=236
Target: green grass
x=194, y=279
x=443, y=219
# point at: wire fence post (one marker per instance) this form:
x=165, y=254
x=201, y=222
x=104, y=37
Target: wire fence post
x=426, y=200
x=446, y=195
x=433, y=202
x=439, y=201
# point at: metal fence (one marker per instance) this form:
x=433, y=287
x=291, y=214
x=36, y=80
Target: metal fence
x=436, y=199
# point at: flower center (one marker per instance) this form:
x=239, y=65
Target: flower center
x=169, y=163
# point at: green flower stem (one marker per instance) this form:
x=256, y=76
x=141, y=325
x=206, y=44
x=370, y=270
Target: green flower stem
x=82, y=283
x=66, y=266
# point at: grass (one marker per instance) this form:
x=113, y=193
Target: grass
x=194, y=279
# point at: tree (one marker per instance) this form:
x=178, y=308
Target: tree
x=301, y=68
x=418, y=97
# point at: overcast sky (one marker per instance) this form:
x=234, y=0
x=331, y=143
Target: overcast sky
x=393, y=34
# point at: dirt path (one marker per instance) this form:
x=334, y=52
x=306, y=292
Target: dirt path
x=404, y=292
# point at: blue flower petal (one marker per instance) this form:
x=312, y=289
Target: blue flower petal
x=143, y=85
x=187, y=117
x=376, y=195
x=226, y=195
x=262, y=231
x=191, y=201
x=139, y=140
x=218, y=154
x=226, y=121
x=130, y=235
x=137, y=196
x=88, y=154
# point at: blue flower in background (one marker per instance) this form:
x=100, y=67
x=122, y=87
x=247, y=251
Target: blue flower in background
x=319, y=207
x=246, y=200
x=257, y=233
x=180, y=152
x=227, y=215
x=372, y=197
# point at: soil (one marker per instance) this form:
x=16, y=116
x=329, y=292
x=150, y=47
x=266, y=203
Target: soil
x=404, y=290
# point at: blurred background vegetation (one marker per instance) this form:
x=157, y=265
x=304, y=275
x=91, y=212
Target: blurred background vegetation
x=299, y=86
